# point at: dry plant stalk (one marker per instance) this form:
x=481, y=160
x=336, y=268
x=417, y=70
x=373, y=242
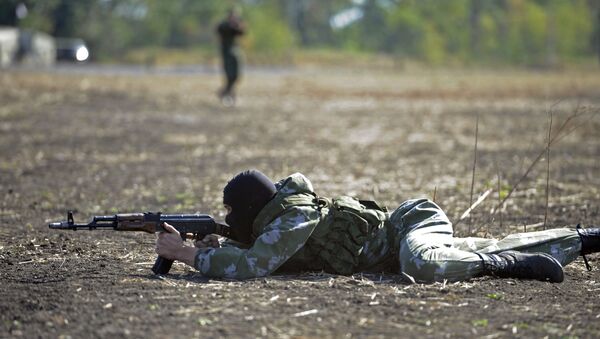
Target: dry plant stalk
x=472, y=207
x=561, y=133
x=565, y=129
x=473, y=176
x=548, y=170
x=499, y=179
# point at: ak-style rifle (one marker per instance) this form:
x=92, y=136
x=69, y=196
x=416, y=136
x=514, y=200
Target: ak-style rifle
x=194, y=226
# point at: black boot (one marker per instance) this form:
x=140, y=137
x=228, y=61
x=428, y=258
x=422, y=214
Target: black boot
x=520, y=265
x=590, y=242
x=590, y=239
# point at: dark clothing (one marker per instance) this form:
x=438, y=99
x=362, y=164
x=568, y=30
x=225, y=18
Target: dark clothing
x=228, y=31
x=247, y=193
x=231, y=67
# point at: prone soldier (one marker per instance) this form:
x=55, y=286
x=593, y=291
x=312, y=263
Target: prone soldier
x=286, y=226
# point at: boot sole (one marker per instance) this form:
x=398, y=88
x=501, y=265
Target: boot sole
x=560, y=275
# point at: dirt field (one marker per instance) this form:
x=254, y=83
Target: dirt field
x=104, y=144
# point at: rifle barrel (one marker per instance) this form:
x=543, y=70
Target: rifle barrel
x=101, y=221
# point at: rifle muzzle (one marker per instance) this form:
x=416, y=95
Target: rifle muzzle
x=59, y=225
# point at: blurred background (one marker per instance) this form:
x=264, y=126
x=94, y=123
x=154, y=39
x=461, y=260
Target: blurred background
x=396, y=33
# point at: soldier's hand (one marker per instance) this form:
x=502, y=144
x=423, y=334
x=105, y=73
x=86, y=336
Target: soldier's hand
x=170, y=246
x=169, y=243
x=209, y=240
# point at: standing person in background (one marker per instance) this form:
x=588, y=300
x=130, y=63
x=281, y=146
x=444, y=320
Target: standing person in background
x=228, y=30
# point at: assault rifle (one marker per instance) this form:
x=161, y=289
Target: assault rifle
x=194, y=226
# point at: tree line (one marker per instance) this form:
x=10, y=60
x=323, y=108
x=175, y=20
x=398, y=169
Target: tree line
x=520, y=32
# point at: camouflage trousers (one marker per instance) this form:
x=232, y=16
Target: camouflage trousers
x=429, y=252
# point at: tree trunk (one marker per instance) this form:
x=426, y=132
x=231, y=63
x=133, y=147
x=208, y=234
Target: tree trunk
x=597, y=34
x=475, y=27
x=551, y=54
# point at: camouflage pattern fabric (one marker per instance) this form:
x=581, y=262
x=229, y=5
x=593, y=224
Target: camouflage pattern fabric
x=416, y=239
x=275, y=243
x=428, y=251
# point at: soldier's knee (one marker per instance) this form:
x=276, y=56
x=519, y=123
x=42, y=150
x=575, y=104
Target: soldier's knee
x=417, y=265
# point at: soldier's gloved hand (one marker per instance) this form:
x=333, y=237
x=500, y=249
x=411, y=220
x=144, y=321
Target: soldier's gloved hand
x=209, y=240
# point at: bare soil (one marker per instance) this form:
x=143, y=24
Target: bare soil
x=108, y=143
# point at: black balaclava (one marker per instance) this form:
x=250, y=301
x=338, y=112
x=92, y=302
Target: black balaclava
x=247, y=193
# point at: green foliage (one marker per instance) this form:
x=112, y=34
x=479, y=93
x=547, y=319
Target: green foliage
x=570, y=30
x=267, y=31
x=530, y=32
x=406, y=32
x=494, y=296
x=489, y=29
x=523, y=32
x=432, y=46
x=480, y=323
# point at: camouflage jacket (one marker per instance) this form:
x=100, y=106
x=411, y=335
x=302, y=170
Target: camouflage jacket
x=298, y=231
